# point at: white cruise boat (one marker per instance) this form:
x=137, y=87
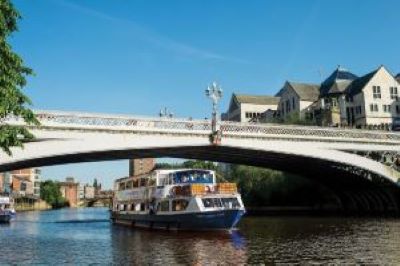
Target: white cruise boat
x=181, y=199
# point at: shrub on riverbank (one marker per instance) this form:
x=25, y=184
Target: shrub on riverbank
x=50, y=192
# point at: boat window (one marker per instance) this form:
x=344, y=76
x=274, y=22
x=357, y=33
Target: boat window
x=164, y=206
x=152, y=182
x=137, y=207
x=179, y=205
x=193, y=176
x=142, y=206
x=143, y=182
x=135, y=183
x=122, y=186
x=129, y=184
x=212, y=202
x=230, y=203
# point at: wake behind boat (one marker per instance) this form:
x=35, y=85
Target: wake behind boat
x=183, y=199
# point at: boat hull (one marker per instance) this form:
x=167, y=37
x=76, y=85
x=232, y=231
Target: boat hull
x=5, y=218
x=210, y=220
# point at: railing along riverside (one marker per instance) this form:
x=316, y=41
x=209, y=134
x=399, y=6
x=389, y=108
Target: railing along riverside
x=56, y=118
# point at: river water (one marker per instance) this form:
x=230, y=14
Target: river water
x=85, y=236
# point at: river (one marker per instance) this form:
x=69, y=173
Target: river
x=85, y=236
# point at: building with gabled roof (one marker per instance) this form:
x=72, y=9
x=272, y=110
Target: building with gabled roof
x=337, y=82
x=398, y=77
x=246, y=108
x=330, y=108
x=372, y=100
x=296, y=98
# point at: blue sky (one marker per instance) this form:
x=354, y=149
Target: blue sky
x=135, y=57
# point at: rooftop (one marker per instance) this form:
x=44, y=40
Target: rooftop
x=337, y=82
x=306, y=91
x=256, y=99
x=358, y=84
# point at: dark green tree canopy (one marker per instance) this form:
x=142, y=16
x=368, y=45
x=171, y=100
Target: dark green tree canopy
x=13, y=75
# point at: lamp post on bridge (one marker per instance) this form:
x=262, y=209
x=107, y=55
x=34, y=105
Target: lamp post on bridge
x=214, y=92
x=166, y=113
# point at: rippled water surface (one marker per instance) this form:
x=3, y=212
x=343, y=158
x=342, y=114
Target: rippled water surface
x=85, y=236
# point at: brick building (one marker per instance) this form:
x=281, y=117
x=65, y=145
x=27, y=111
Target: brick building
x=141, y=166
x=21, y=185
x=22, y=178
x=70, y=191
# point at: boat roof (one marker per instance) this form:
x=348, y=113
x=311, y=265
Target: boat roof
x=162, y=171
x=4, y=200
x=167, y=171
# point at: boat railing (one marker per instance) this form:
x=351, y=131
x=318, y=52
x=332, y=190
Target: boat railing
x=203, y=189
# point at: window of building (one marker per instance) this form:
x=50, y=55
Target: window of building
x=376, y=108
x=397, y=109
x=349, y=99
x=376, y=92
x=371, y=107
x=287, y=106
x=293, y=103
x=283, y=108
x=393, y=93
x=386, y=108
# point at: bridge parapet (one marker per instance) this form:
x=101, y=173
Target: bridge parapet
x=88, y=121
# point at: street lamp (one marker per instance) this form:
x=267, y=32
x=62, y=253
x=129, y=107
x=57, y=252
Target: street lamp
x=214, y=92
x=166, y=113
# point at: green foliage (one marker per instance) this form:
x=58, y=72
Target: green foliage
x=50, y=192
x=264, y=187
x=13, y=75
x=295, y=119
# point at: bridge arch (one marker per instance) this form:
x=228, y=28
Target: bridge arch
x=324, y=155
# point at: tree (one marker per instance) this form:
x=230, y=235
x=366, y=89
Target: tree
x=50, y=192
x=13, y=75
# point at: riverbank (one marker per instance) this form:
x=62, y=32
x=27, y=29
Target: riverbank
x=38, y=205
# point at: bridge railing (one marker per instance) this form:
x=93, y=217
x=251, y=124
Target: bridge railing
x=112, y=122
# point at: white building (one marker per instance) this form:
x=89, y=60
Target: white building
x=373, y=99
x=246, y=108
x=296, y=98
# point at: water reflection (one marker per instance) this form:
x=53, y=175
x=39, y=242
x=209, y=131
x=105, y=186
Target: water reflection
x=132, y=246
x=85, y=236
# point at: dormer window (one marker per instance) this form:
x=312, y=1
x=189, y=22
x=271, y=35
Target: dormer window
x=376, y=92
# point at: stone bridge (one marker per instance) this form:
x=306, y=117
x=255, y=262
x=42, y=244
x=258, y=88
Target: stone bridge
x=361, y=166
